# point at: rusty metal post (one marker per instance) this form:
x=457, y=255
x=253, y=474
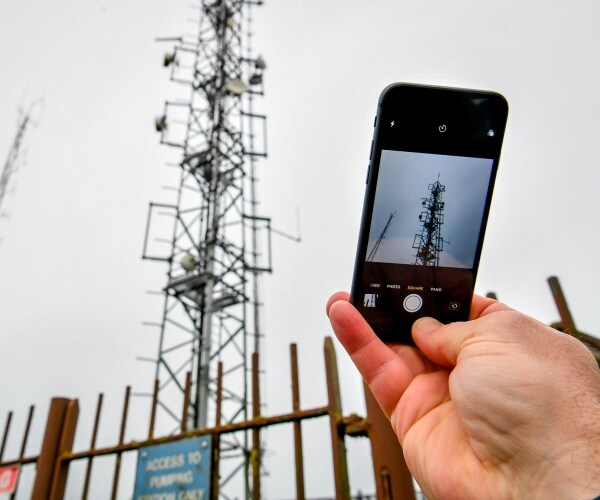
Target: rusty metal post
x=115, y=485
x=216, y=442
x=88, y=469
x=255, y=454
x=186, y=401
x=298, y=457
x=567, y=324
x=50, y=448
x=26, y=433
x=5, y=434
x=24, y=445
x=153, y=409
x=392, y=477
x=566, y=319
x=338, y=446
x=61, y=467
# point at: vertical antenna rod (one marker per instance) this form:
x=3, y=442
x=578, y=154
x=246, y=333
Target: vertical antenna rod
x=11, y=161
x=373, y=251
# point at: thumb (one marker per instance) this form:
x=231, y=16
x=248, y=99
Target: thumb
x=442, y=343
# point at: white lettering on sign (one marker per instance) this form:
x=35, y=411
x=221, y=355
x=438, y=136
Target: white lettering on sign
x=168, y=462
x=194, y=457
x=191, y=495
x=177, y=478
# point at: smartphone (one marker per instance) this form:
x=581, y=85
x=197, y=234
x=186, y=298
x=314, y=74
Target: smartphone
x=432, y=168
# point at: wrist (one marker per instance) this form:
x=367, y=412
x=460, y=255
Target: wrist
x=576, y=476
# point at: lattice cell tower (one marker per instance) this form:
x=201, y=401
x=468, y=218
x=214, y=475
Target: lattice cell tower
x=429, y=242
x=215, y=244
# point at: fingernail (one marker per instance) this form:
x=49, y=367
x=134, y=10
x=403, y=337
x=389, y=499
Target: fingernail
x=426, y=325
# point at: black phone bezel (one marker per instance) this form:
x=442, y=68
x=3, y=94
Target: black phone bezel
x=418, y=111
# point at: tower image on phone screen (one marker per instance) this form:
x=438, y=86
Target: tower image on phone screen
x=434, y=205
x=432, y=170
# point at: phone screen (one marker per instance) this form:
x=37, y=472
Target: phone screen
x=433, y=166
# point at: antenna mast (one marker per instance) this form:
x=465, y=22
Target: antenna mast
x=429, y=242
x=373, y=251
x=218, y=246
x=13, y=155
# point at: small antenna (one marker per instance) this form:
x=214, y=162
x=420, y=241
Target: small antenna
x=297, y=238
x=373, y=251
x=26, y=119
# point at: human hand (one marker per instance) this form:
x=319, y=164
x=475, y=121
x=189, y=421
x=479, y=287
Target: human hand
x=500, y=406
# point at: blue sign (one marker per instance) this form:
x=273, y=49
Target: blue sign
x=174, y=471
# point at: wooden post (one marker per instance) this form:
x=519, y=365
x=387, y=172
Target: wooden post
x=392, y=477
x=338, y=446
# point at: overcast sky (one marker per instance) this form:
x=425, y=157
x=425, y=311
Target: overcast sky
x=72, y=284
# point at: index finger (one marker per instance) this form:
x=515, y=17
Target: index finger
x=388, y=370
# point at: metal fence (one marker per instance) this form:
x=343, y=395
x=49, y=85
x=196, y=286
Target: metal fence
x=392, y=479
x=57, y=455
